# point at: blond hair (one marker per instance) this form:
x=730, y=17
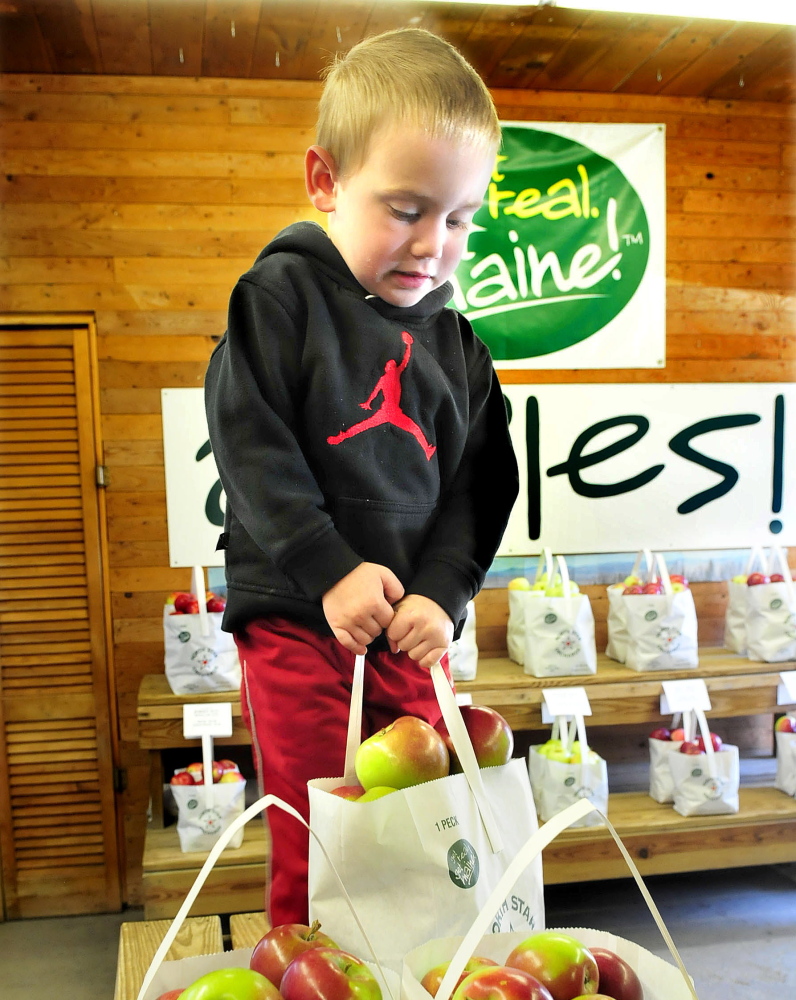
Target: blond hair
x=408, y=76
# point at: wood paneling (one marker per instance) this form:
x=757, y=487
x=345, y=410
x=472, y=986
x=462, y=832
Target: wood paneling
x=141, y=199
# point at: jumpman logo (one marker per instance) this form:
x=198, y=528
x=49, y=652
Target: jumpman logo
x=390, y=412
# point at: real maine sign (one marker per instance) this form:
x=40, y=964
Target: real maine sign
x=565, y=261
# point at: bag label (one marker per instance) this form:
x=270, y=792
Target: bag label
x=446, y=824
x=463, y=864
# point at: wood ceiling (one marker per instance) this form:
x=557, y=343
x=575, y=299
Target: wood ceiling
x=537, y=48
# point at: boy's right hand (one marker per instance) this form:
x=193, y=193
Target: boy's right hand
x=359, y=606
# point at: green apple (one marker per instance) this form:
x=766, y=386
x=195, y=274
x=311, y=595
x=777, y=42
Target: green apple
x=231, y=984
x=740, y=578
x=562, y=963
x=432, y=979
x=519, y=583
x=378, y=792
x=407, y=752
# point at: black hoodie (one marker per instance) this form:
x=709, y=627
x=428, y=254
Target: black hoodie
x=346, y=429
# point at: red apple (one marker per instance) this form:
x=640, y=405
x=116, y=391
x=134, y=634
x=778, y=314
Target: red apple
x=491, y=736
x=691, y=747
x=407, y=752
x=755, y=579
x=328, y=974
x=430, y=982
x=183, y=601
x=678, y=734
x=501, y=983
x=634, y=588
x=652, y=588
x=216, y=604
x=182, y=778
x=351, y=792
x=231, y=984
x=715, y=740
x=197, y=772
x=777, y=578
x=274, y=952
x=661, y=733
x=562, y=963
x=171, y=994
x=227, y=765
x=785, y=724
x=679, y=578
x=617, y=979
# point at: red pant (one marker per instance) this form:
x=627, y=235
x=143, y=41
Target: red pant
x=295, y=695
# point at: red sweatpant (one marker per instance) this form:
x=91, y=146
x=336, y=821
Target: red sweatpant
x=295, y=695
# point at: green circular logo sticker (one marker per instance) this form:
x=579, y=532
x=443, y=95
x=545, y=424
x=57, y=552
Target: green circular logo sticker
x=550, y=619
x=650, y=616
x=463, y=866
x=556, y=251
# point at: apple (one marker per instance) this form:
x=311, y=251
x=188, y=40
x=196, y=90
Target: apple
x=231, y=984
x=350, y=792
x=501, y=983
x=691, y=747
x=631, y=581
x=275, y=950
x=227, y=765
x=633, y=588
x=182, y=778
x=519, y=583
x=182, y=602
x=562, y=963
x=197, y=772
x=430, y=982
x=617, y=979
x=715, y=741
x=229, y=777
x=575, y=756
x=216, y=604
x=785, y=724
x=171, y=994
x=679, y=578
x=755, y=579
x=328, y=974
x=662, y=733
x=739, y=578
x=777, y=578
x=491, y=736
x=652, y=588
x=678, y=734
x=407, y=752
x=377, y=792
x=557, y=590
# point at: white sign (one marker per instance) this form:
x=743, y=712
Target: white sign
x=564, y=701
x=684, y=696
x=786, y=691
x=618, y=468
x=208, y=719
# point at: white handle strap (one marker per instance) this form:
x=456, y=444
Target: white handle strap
x=354, y=737
x=756, y=555
x=704, y=728
x=778, y=556
x=562, y=569
x=198, y=588
x=533, y=846
x=240, y=821
x=207, y=768
x=646, y=555
x=663, y=574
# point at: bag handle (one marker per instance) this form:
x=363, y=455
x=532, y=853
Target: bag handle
x=646, y=555
x=460, y=738
x=198, y=588
x=546, y=561
x=778, y=555
x=532, y=847
x=756, y=555
x=238, y=823
x=663, y=574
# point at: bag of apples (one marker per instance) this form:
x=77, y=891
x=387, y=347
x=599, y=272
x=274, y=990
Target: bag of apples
x=785, y=736
x=565, y=769
x=661, y=623
x=737, y=595
x=616, y=620
x=198, y=656
x=205, y=808
x=771, y=613
x=705, y=774
x=420, y=827
x=555, y=964
x=663, y=741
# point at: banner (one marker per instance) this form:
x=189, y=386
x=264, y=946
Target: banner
x=565, y=262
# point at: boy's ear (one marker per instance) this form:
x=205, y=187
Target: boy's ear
x=320, y=177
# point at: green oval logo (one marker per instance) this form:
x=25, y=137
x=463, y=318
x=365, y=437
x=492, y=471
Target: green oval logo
x=557, y=250
x=463, y=864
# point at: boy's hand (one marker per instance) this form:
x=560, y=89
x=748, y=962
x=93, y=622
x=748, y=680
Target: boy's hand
x=359, y=607
x=420, y=628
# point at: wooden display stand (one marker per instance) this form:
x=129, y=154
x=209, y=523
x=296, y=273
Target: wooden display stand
x=660, y=840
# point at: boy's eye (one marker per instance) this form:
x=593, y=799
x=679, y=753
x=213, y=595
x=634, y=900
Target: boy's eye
x=404, y=216
x=457, y=224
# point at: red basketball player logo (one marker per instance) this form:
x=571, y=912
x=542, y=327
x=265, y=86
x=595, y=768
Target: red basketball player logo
x=390, y=412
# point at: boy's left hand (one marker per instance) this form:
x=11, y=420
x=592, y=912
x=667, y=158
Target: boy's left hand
x=421, y=629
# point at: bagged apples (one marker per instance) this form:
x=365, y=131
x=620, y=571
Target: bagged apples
x=616, y=647
x=737, y=600
x=705, y=774
x=662, y=742
x=565, y=769
x=771, y=613
x=785, y=736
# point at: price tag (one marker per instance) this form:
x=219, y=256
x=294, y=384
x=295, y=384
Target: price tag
x=208, y=719
x=684, y=696
x=786, y=691
x=464, y=698
x=564, y=701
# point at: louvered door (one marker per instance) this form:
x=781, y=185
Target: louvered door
x=58, y=839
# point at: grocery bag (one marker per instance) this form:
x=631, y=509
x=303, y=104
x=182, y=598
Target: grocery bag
x=205, y=811
x=557, y=784
x=785, y=780
x=771, y=615
x=198, y=656
x=661, y=783
x=737, y=593
x=558, y=631
x=660, y=980
x=706, y=784
x=463, y=653
x=616, y=621
x=661, y=628
x=419, y=862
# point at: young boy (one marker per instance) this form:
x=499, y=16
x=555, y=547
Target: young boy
x=358, y=426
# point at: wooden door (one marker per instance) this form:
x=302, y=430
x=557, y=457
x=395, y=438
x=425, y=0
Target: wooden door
x=58, y=837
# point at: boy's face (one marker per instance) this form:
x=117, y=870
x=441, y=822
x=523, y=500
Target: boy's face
x=401, y=220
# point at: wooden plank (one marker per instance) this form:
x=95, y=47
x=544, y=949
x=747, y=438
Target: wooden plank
x=246, y=929
x=123, y=35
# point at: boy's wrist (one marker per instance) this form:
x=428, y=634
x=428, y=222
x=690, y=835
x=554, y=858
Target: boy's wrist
x=321, y=563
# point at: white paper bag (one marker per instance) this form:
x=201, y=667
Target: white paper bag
x=463, y=654
x=785, y=780
x=557, y=785
x=662, y=628
x=661, y=783
x=420, y=862
x=201, y=819
x=616, y=621
x=737, y=608
x=771, y=616
x=706, y=784
x=198, y=656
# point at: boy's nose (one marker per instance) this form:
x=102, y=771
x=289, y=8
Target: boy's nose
x=430, y=240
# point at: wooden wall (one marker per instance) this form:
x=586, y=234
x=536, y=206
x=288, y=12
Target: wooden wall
x=140, y=200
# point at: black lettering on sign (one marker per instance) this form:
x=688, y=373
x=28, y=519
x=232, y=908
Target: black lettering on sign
x=213, y=511
x=681, y=445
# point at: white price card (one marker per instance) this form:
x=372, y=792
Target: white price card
x=564, y=701
x=786, y=690
x=463, y=698
x=209, y=719
x=684, y=696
